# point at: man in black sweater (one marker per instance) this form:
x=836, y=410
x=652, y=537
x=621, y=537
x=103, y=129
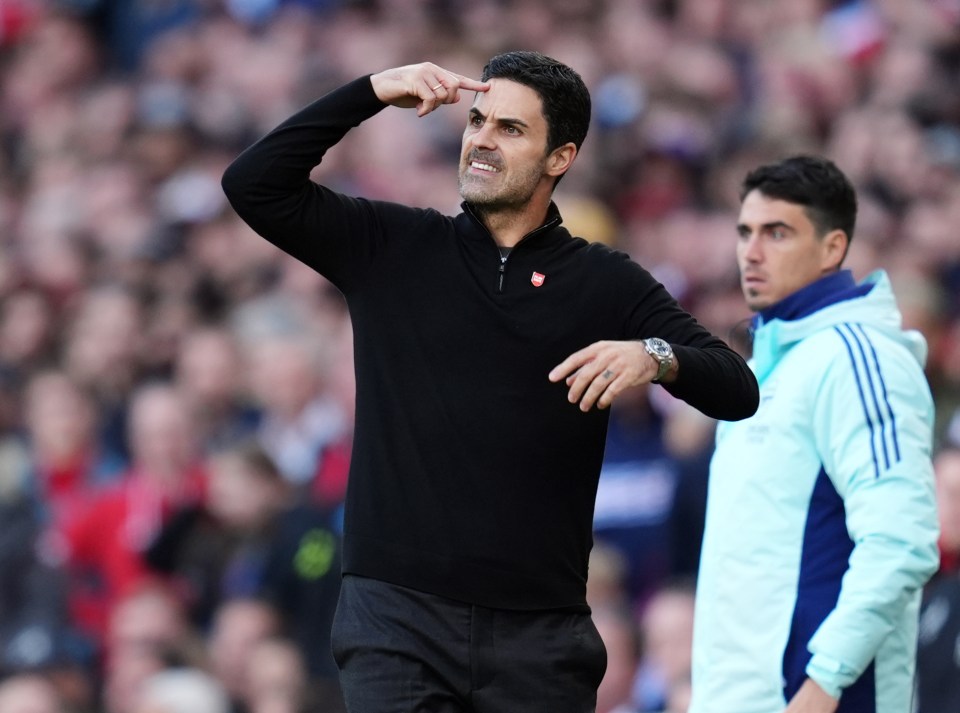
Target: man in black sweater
x=488, y=347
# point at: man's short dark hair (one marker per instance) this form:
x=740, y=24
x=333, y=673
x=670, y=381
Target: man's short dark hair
x=813, y=182
x=565, y=98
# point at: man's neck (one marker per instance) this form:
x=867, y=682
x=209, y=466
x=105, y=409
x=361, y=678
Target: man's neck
x=509, y=228
x=509, y=225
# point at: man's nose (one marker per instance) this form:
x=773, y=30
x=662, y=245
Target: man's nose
x=484, y=137
x=750, y=249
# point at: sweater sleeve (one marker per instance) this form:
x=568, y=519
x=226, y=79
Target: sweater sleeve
x=269, y=186
x=713, y=378
x=873, y=419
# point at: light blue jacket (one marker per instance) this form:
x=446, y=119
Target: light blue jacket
x=821, y=520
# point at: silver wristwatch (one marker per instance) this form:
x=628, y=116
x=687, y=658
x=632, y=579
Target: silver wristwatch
x=663, y=353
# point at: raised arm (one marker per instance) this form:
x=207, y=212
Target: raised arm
x=269, y=184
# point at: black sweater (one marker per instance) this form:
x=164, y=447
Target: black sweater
x=472, y=476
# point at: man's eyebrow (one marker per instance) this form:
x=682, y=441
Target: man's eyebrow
x=505, y=120
x=744, y=228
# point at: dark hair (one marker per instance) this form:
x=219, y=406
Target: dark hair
x=565, y=98
x=813, y=182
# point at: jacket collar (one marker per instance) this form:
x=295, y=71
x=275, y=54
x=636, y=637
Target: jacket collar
x=830, y=289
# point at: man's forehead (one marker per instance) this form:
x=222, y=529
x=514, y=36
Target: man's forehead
x=509, y=98
x=760, y=208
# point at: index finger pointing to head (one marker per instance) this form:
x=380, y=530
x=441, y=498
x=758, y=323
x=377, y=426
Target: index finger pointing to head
x=470, y=84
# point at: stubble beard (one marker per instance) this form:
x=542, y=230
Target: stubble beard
x=513, y=195
x=752, y=299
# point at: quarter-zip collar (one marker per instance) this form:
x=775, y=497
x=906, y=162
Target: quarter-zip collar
x=552, y=220
x=476, y=228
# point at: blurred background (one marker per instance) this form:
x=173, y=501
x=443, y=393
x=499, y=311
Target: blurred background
x=176, y=395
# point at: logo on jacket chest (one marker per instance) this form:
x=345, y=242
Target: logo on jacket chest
x=537, y=278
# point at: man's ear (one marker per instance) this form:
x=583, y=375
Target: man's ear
x=560, y=159
x=835, y=245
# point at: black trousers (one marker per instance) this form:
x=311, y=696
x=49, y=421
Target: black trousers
x=404, y=651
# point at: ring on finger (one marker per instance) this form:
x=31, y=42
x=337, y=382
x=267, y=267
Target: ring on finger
x=608, y=374
x=433, y=89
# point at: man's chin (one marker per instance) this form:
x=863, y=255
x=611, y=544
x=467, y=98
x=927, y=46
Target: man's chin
x=754, y=301
x=481, y=200
x=472, y=193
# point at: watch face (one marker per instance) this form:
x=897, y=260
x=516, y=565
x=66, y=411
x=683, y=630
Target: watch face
x=659, y=347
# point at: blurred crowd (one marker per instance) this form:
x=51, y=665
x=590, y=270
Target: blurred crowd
x=176, y=395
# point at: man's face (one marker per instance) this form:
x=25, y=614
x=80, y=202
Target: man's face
x=779, y=251
x=504, y=150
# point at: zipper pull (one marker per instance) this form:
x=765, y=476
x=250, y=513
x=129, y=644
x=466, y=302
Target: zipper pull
x=503, y=269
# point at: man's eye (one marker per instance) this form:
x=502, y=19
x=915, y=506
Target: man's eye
x=512, y=130
x=778, y=233
x=475, y=121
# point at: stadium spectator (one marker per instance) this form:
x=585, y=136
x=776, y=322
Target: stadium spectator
x=27, y=331
x=300, y=418
x=666, y=629
x=279, y=682
x=101, y=353
x=34, y=619
x=621, y=638
x=181, y=690
x=938, y=652
x=250, y=537
x=107, y=541
x=239, y=626
x=68, y=463
x=148, y=632
x=30, y=693
x=209, y=373
x=637, y=495
x=946, y=468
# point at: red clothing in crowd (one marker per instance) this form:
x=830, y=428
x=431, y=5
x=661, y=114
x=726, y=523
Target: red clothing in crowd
x=105, y=544
x=66, y=489
x=949, y=560
x=329, y=486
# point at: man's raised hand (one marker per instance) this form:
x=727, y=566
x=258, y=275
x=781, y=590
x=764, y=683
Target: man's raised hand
x=423, y=86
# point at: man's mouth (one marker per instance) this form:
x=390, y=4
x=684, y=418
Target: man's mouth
x=481, y=166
